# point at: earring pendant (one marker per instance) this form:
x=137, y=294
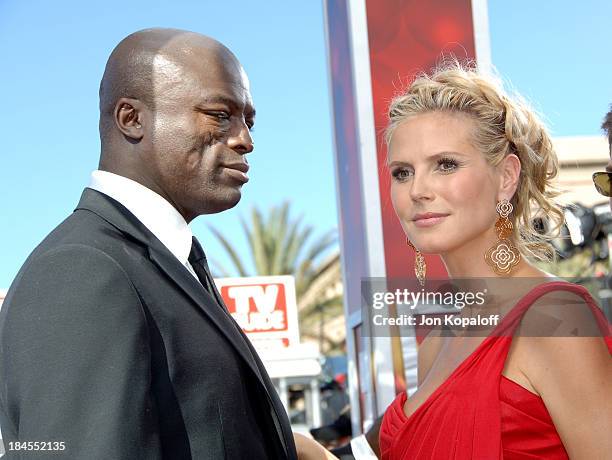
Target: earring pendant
x=503, y=256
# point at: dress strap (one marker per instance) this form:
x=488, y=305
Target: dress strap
x=513, y=319
x=497, y=345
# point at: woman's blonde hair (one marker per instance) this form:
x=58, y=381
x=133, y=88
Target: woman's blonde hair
x=504, y=126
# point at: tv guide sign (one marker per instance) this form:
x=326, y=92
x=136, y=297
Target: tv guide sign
x=264, y=307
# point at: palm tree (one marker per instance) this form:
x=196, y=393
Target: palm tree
x=280, y=245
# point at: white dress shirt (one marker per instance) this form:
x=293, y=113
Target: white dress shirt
x=154, y=211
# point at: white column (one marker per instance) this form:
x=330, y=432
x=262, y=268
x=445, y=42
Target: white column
x=283, y=393
x=315, y=402
x=482, y=40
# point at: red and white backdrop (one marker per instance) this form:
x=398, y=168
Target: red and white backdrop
x=375, y=47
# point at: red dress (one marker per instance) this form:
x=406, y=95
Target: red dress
x=477, y=413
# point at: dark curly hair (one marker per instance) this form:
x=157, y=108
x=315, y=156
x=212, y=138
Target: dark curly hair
x=607, y=127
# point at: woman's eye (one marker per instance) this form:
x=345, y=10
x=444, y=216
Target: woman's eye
x=446, y=165
x=401, y=174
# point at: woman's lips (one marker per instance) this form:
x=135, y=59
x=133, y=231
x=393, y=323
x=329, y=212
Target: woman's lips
x=428, y=220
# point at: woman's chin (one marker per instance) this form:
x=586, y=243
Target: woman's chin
x=432, y=248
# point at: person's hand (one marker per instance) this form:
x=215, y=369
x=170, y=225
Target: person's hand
x=309, y=449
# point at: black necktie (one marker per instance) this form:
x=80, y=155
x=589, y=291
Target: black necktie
x=197, y=259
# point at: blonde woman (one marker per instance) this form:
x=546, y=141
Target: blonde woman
x=468, y=166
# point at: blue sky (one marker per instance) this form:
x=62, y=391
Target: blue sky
x=53, y=55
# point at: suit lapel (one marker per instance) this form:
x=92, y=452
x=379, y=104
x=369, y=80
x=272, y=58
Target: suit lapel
x=121, y=218
x=227, y=325
x=278, y=410
x=205, y=302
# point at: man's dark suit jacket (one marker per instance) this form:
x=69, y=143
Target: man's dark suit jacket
x=110, y=345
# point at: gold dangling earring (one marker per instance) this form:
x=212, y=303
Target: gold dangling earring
x=503, y=257
x=420, y=267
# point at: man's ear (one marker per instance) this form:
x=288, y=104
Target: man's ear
x=128, y=116
x=510, y=169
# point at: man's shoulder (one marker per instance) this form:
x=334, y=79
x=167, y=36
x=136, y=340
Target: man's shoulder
x=83, y=259
x=80, y=227
x=85, y=230
x=82, y=235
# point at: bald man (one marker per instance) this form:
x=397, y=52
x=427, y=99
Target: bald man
x=115, y=343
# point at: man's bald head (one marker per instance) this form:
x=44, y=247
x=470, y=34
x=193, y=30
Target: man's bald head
x=141, y=60
x=175, y=116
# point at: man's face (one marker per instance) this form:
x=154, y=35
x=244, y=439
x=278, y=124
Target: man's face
x=200, y=131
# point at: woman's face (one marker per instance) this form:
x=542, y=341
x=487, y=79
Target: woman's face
x=443, y=190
